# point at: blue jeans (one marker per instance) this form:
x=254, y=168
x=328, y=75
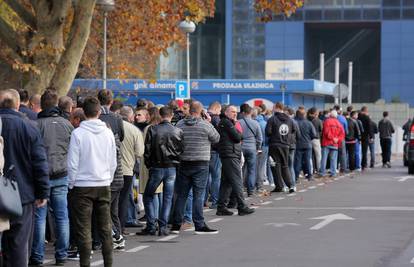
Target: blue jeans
x=132, y=207
x=303, y=159
x=249, y=168
x=167, y=177
x=358, y=155
x=291, y=162
x=188, y=213
x=59, y=205
x=191, y=175
x=262, y=166
x=215, y=175
x=332, y=152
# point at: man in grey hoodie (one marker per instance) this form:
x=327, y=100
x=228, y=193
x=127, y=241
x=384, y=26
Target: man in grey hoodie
x=386, y=129
x=193, y=171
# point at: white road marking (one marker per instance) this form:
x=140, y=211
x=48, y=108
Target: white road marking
x=329, y=219
x=320, y=184
x=279, y=198
x=412, y=260
x=312, y=187
x=404, y=178
x=136, y=249
x=207, y=210
x=97, y=263
x=267, y=203
x=292, y=195
x=280, y=225
x=303, y=190
x=167, y=238
x=215, y=220
x=368, y=208
x=47, y=261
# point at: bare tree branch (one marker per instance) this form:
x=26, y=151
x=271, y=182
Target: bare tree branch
x=22, y=12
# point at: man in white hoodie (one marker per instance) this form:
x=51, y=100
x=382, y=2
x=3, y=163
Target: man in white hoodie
x=91, y=168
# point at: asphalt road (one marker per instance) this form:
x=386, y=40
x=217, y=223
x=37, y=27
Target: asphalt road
x=366, y=220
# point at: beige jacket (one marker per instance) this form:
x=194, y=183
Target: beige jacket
x=132, y=148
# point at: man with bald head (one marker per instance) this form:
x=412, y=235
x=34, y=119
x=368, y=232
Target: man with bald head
x=23, y=148
x=193, y=171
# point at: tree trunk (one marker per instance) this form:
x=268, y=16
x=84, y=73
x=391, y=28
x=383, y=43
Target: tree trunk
x=47, y=43
x=68, y=65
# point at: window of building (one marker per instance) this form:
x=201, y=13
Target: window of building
x=408, y=3
x=371, y=14
x=391, y=14
x=333, y=14
x=408, y=13
x=391, y=3
x=352, y=14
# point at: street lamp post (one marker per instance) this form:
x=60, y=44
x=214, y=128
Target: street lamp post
x=106, y=5
x=283, y=89
x=187, y=27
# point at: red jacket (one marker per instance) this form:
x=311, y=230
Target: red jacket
x=332, y=128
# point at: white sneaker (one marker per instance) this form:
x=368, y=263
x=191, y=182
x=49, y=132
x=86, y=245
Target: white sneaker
x=272, y=184
x=292, y=189
x=265, y=182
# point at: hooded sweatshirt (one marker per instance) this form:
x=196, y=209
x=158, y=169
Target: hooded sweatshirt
x=92, y=155
x=279, y=130
x=199, y=135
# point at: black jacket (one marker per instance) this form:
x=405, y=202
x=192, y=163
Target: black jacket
x=163, y=145
x=55, y=131
x=353, y=131
x=115, y=123
x=280, y=129
x=215, y=120
x=366, y=124
x=317, y=123
x=229, y=145
x=307, y=133
x=24, y=148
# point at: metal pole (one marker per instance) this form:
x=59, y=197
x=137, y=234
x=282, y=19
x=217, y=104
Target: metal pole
x=350, y=73
x=337, y=77
x=188, y=63
x=104, y=52
x=322, y=67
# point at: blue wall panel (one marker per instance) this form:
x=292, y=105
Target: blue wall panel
x=397, y=61
x=285, y=40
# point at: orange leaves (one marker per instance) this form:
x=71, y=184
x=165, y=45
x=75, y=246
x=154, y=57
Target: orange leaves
x=266, y=9
x=139, y=32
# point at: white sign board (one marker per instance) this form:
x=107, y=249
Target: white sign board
x=284, y=69
x=181, y=90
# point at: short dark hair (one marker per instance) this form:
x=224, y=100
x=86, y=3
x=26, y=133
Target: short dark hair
x=245, y=108
x=353, y=113
x=142, y=103
x=346, y=113
x=279, y=105
x=385, y=114
x=337, y=107
x=312, y=110
x=24, y=95
x=364, y=108
x=350, y=108
x=65, y=103
x=105, y=97
x=91, y=107
x=263, y=107
x=165, y=112
x=116, y=105
x=49, y=99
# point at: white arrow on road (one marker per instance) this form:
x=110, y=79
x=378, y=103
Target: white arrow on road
x=404, y=178
x=328, y=219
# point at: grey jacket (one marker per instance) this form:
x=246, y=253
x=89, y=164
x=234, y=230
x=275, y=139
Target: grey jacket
x=252, y=134
x=55, y=131
x=385, y=128
x=199, y=135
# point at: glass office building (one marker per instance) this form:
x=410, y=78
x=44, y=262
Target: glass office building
x=376, y=35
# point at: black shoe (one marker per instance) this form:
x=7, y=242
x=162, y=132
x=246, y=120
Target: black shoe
x=146, y=232
x=224, y=212
x=205, y=230
x=135, y=225
x=277, y=190
x=163, y=232
x=231, y=205
x=60, y=262
x=175, y=229
x=73, y=256
x=246, y=211
x=143, y=219
x=34, y=263
x=96, y=246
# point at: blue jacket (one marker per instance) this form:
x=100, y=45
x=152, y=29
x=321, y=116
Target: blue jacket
x=29, y=113
x=344, y=123
x=262, y=122
x=24, y=148
x=307, y=133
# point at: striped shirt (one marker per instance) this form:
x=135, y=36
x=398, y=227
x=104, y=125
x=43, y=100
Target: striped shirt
x=199, y=135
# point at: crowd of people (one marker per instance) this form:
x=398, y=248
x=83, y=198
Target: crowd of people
x=92, y=166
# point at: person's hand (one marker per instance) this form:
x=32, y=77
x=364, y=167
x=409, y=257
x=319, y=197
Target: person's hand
x=40, y=203
x=208, y=117
x=335, y=140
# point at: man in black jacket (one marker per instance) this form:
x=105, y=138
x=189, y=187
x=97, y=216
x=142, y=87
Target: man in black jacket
x=23, y=148
x=230, y=153
x=351, y=139
x=366, y=136
x=55, y=131
x=163, y=146
x=279, y=130
x=115, y=123
x=386, y=129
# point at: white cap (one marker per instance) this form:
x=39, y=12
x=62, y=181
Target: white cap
x=334, y=114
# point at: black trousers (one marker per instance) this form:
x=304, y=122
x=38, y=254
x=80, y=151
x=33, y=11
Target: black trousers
x=231, y=183
x=280, y=171
x=350, y=149
x=386, y=149
x=116, y=224
x=123, y=200
x=16, y=242
x=365, y=145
